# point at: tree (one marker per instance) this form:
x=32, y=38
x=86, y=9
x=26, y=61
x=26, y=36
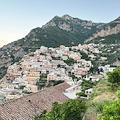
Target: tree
x=58, y=65
x=112, y=111
x=114, y=77
x=84, y=56
x=70, y=61
x=70, y=110
x=81, y=94
x=43, y=116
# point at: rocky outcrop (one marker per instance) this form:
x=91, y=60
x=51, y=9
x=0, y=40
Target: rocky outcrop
x=109, y=29
x=65, y=26
x=20, y=52
x=67, y=17
x=50, y=23
x=5, y=62
x=105, y=32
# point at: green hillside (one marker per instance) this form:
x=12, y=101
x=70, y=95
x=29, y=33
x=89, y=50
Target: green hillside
x=50, y=37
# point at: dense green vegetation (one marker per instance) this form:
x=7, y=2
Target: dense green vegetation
x=70, y=110
x=21, y=87
x=81, y=94
x=94, y=68
x=54, y=82
x=112, y=110
x=49, y=37
x=103, y=101
x=114, y=77
x=87, y=84
x=70, y=61
x=84, y=55
x=3, y=71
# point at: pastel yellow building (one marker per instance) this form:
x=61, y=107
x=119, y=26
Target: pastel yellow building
x=103, y=58
x=34, y=88
x=33, y=76
x=52, y=76
x=32, y=82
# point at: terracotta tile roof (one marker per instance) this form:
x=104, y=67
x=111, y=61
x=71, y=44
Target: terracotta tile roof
x=25, y=108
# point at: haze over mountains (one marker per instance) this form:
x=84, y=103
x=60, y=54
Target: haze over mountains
x=64, y=30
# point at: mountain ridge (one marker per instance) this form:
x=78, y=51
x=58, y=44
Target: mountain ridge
x=66, y=20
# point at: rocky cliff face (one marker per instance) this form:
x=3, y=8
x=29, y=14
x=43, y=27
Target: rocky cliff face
x=108, y=29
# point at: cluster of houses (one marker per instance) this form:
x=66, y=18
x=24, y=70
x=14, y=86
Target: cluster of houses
x=22, y=77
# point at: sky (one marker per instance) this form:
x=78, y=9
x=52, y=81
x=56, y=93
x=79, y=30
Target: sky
x=18, y=17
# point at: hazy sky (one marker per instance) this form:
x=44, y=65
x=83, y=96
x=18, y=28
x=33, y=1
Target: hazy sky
x=18, y=17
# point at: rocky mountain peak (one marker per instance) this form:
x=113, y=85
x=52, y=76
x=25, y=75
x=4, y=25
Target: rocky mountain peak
x=67, y=17
x=56, y=17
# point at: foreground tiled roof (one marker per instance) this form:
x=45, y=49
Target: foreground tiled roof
x=25, y=108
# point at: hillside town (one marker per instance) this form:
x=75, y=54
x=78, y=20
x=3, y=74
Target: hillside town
x=51, y=66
